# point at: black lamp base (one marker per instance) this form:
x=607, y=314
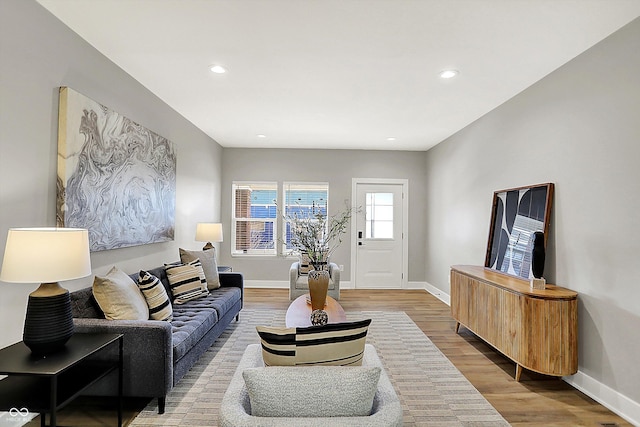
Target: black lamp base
x=48, y=323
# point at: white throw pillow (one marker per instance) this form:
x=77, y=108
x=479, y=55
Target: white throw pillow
x=312, y=391
x=119, y=297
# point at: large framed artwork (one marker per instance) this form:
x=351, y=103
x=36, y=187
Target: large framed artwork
x=517, y=213
x=115, y=178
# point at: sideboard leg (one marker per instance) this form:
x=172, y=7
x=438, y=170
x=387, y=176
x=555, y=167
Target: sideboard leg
x=457, y=327
x=518, y=372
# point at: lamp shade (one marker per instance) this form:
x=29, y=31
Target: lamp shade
x=34, y=255
x=209, y=232
x=46, y=255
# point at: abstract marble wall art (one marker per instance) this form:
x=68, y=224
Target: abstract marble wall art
x=115, y=178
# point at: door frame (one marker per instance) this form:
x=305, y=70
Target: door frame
x=405, y=226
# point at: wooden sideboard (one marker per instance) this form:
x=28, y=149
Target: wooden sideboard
x=537, y=329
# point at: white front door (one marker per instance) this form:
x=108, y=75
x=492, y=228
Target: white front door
x=379, y=235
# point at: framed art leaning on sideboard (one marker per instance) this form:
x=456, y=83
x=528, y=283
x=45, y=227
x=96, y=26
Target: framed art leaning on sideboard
x=517, y=213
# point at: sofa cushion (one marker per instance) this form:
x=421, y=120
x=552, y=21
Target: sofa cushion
x=187, y=281
x=313, y=391
x=208, y=260
x=119, y=297
x=330, y=344
x=223, y=299
x=193, y=319
x=156, y=296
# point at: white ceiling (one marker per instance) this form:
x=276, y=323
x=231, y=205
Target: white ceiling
x=339, y=73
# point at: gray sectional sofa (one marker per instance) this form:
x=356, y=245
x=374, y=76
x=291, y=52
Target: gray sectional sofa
x=157, y=354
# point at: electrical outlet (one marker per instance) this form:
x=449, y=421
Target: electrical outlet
x=341, y=267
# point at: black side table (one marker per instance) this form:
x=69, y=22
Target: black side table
x=45, y=384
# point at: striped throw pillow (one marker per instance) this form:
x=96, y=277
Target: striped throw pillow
x=186, y=281
x=337, y=344
x=209, y=266
x=156, y=295
x=278, y=345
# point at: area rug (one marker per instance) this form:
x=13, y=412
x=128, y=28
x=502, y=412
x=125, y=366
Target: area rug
x=431, y=390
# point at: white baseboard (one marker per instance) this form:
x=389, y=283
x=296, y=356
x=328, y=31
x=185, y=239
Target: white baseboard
x=441, y=295
x=606, y=396
x=415, y=285
x=274, y=284
x=282, y=284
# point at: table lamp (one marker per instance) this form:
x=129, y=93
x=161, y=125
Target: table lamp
x=46, y=255
x=208, y=232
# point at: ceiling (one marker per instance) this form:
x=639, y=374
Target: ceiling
x=339, y=74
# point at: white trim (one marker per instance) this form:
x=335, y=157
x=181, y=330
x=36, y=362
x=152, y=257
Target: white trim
x=234, y=220
x=282, y=284
x=273, y=284
x=405, y=224
x=345, y=284
x=416, y=285
x=441, y=295
x=606, y=396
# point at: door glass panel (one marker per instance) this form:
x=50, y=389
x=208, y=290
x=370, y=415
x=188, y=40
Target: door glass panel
x=383, y=213
x=379, y=216
x=384, y=229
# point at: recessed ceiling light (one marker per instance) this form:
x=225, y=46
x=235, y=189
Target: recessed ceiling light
x=261, y=136
x=448, y=74
x=391, y=138
x=218, y=69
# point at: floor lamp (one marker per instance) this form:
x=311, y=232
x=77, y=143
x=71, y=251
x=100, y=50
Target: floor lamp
x=46, y=255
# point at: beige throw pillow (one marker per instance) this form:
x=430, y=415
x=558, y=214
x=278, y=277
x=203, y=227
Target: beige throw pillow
x=119, y=297
x=339, y=344
x=209, y=265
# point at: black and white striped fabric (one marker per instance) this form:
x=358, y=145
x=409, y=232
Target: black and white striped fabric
x=337, y=344
x=156, y=295
x=186, y=281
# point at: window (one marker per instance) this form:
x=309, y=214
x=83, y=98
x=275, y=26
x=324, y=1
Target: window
x=254, y=218
x=379, y=223
x=301, y=199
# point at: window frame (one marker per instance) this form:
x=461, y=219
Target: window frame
x=235, y=185
x=287, y=252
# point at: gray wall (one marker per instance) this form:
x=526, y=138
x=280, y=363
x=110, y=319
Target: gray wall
x=337, y=167
x=37, y=55
x=580, y=128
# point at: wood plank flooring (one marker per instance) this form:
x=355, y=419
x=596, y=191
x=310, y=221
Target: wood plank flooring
x=535, y=401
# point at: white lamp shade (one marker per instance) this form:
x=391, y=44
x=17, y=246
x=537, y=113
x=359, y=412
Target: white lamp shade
x=36, y=255
x=209, y=232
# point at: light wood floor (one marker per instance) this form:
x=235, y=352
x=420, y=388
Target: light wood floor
x=535, y=401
